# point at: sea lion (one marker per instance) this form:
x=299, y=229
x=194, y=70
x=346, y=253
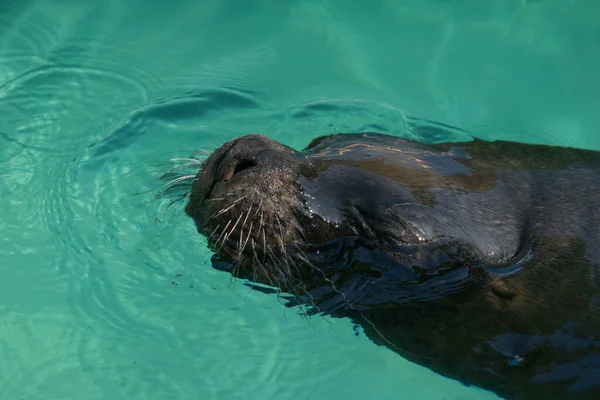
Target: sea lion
x=476, y=259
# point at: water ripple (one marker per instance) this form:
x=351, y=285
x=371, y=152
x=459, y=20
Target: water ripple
x=344, y=115
x=27, y=34
x=494, y=130
x=49, y=96
x=184, y=112
x=238, y=68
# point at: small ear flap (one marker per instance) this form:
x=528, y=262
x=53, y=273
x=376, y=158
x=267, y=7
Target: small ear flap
x=555, y=278
x=503, y=290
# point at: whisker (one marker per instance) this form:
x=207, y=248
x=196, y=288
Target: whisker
x=233, y=228
x=174, y=181
x=231, y=206
x=239, y=244
x=246, y=242
x=264, y=244
x=188, y=195
x=247, y=215
x=190, y=161
x=224, y=210
x=260, y=207
x=275, y=262
x=201, y=150
x=213, y=232
x=262, y=210
x=224, y=230
x=405, y=204
x=173, y=171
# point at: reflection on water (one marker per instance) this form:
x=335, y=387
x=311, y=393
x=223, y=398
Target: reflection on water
x=107, y=292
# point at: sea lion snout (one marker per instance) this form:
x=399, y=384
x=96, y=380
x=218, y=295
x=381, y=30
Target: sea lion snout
x=253, y=155
x=252, y=172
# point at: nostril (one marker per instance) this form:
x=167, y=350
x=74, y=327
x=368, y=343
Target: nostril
x=231, y=168
x=244, y=164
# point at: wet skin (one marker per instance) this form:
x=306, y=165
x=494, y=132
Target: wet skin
x=478, y=260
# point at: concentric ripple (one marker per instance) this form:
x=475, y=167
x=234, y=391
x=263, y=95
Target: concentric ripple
x=192, y=112
x=26, y=32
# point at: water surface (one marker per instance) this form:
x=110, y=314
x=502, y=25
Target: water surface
x=107, y=294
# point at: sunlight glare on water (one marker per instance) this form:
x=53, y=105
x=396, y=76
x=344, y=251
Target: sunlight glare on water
x=107, y=294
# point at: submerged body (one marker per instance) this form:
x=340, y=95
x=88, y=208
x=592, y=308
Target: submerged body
x=477, y=259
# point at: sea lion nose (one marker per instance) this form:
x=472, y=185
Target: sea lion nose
x=253, y=155
x=235, y=166
x=246, y=153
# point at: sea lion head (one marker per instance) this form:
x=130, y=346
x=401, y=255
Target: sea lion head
x=248, y=201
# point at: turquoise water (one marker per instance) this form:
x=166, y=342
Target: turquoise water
x=108, y=294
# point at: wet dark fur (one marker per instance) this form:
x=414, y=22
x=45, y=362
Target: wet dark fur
x=475, y=259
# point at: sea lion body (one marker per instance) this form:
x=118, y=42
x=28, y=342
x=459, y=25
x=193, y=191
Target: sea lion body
x=476, y=259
